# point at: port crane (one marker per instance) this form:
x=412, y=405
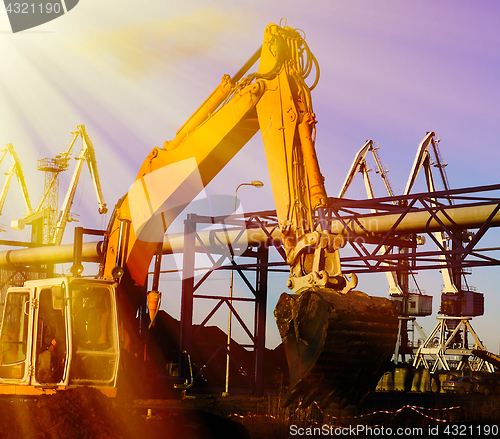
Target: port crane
x=53, y=167
x=17, y=170
x=459, y=304
x=408, y=304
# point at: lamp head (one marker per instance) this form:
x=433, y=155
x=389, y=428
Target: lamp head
x=117, y=272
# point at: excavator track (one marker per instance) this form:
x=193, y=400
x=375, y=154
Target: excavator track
x=337, y=345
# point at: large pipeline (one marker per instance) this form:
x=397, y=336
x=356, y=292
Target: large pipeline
x=470, y=217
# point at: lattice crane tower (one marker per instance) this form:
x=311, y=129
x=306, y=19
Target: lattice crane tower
x=52, y=168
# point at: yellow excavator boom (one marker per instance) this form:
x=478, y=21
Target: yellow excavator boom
x=331, y=333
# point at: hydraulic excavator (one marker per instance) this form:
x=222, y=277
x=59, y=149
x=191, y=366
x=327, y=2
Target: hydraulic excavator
x=338, y=341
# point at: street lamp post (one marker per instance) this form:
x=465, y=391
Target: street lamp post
x=257, y=184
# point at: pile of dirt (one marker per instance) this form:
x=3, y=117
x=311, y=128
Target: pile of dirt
x=75, y=413
x=84, y=412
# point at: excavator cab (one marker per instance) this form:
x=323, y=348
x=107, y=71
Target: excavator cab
x=58, y=333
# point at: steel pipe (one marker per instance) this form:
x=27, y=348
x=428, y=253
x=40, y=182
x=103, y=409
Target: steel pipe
x=215, y=241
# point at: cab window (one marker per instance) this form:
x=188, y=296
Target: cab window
x=14, y=336
x=94, y=342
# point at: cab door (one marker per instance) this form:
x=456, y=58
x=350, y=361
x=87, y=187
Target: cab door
x=50, y=337
x=16, y=337
x=95, y=352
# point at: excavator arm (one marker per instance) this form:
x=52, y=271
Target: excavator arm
x=275, y=100
x=337, y=340
x=288, y=126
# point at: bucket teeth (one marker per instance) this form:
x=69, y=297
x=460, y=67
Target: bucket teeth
x=337, y=345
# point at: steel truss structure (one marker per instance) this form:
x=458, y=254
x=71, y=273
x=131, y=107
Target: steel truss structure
x=405, y=254
x=391, y=239
x=450, y=337
x=265, y=221
x=400, y=222
x=384, y=234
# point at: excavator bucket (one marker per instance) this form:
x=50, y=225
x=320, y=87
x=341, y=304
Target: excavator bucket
x=337, y=345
